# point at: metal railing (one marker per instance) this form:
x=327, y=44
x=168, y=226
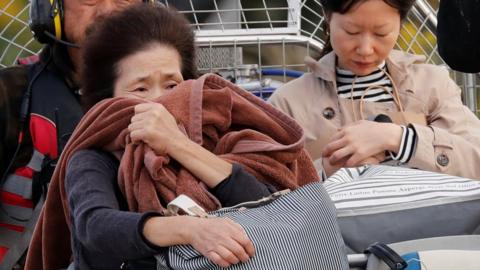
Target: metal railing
x=239, y=37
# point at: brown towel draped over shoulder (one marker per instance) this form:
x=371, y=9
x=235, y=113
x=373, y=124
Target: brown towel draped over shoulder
x=216, y=114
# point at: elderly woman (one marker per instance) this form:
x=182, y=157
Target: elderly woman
x=153, y=53
x=140, y=56
x=418, y=117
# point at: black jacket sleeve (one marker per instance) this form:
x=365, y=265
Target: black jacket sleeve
x=98, y=223
x=240, y=187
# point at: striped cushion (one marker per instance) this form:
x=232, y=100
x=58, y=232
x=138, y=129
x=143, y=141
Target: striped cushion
x=370, y=186
x=296, y=231
x=393, y=204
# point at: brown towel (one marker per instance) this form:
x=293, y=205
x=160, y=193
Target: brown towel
x=216, y=114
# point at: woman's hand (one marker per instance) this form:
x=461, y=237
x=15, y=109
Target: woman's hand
x=353, y=144
x=222, y=241
x=154, y=125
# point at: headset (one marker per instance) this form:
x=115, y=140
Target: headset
x=46, y=21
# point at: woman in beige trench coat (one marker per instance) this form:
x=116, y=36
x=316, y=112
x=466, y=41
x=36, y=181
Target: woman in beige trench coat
x=361, y=78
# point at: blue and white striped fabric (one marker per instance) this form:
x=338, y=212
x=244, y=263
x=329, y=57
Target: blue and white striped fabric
x=299, y=230
x=380, y=185
x=393, y=204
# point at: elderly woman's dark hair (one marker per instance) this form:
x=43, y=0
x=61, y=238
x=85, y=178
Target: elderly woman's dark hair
x=343, y=6
x=125, y=33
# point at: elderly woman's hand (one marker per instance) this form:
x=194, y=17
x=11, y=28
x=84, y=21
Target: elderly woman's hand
x=154, y=125
x=221, y=240
x=359, y=141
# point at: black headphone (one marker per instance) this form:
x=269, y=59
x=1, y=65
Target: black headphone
x=46, y=21
x=46, y=18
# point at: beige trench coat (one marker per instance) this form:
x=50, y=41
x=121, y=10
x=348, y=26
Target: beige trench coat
x=450, y=143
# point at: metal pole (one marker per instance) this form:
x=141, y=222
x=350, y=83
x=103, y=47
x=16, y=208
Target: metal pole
x=427, y=11
x=470, y=91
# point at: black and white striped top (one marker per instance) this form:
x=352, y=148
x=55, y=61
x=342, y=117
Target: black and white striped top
x=345, y=79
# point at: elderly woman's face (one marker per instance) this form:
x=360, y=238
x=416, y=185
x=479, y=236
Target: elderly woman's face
x=149, y=73
x=363, y=37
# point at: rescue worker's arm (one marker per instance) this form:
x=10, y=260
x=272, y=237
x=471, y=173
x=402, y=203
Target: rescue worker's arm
x=13, y=83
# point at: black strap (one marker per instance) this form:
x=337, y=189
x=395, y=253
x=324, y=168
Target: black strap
x=41, y=179
x=388, y=255
x=143, y=264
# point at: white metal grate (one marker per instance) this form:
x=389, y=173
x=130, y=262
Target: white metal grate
x=260, y=34
x=15, y=38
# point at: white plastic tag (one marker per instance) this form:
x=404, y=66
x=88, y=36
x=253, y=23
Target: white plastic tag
x=186, y=204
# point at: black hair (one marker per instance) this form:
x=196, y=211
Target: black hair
x=343, y=6
x=125, y=33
